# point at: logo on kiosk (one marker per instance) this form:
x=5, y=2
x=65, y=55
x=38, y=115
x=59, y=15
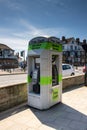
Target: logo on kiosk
x=55, y=94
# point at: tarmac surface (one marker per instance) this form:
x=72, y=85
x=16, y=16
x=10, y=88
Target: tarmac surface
x=8, y=80
x=71, y=114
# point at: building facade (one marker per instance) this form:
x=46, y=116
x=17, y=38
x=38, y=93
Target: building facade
x=7, y=58
x=73, y=52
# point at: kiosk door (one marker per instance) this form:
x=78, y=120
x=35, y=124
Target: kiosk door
x=36, y=80
x=54, y=71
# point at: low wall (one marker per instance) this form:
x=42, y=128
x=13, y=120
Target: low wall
x=73, y=81
x=13, y=95
x=16, y=94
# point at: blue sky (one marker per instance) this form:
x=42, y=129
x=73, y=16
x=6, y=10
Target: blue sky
x=21, y=20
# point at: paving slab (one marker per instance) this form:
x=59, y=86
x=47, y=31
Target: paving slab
x=71, y=114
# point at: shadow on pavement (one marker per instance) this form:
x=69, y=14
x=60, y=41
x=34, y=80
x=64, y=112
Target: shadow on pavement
x=72, y=88
x=62, y=117
x=59, y=117
x=12, y=111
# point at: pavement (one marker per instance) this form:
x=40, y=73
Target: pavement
x=71, y=114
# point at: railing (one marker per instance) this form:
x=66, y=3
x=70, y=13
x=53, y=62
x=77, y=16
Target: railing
x=10, y=57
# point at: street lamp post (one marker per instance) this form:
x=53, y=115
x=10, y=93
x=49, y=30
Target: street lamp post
x=84, y=46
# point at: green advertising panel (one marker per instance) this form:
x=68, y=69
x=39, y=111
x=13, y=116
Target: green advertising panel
x=55, y=94
x=46, y=45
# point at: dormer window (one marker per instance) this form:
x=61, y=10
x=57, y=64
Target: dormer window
x=72, y=42
x=71, y=47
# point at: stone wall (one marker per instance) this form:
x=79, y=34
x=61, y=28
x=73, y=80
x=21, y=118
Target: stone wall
x=13, y=95
x=73, y=81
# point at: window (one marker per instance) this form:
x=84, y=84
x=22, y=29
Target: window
x=79, y=53
x=72, y=42
x=65, y=67
x=71, y=47
x=75, y=47
x=63, y=47
x=68, y=67
x=72, y=53
x=0, y=52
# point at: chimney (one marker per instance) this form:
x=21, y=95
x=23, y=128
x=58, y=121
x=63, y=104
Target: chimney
x=84, y=41
x=77, y=40
x=63, y=38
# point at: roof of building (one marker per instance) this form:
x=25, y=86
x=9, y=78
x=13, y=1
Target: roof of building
x=3, y=46
x=70, y=39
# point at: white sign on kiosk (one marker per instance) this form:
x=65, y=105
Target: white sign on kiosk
x=44, y=72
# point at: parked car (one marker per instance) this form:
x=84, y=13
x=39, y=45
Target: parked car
x=67, y=70
x=85, y=68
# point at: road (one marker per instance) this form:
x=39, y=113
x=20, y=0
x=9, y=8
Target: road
x=79, y=71
x=6, y=80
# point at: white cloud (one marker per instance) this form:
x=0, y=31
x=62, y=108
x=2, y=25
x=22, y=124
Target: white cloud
x=33, y=31
x=14, y=43
x=19, y=40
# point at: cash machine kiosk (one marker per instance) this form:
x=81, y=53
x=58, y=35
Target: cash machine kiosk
x=44, y=72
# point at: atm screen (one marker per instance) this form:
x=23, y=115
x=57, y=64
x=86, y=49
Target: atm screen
x=35, y=74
